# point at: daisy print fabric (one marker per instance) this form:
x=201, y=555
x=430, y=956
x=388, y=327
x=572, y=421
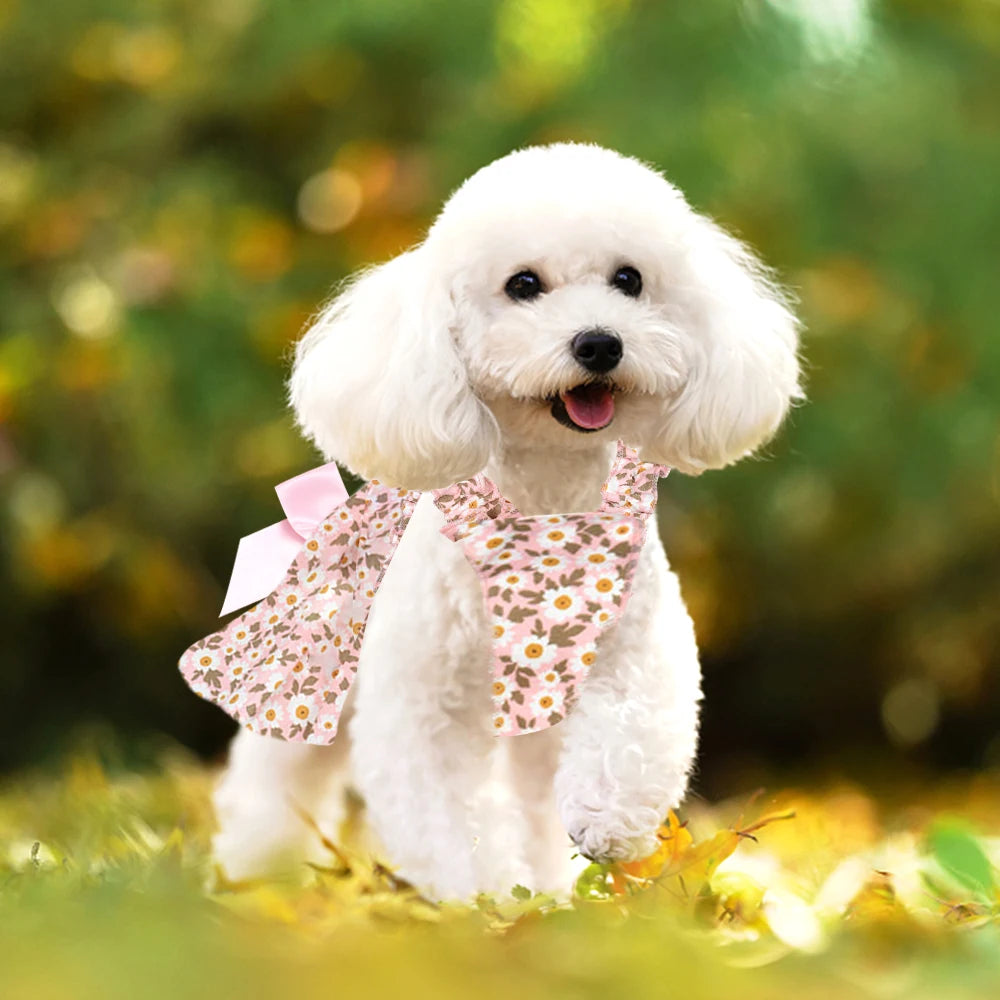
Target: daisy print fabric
x=552, y=584
x=284, y=667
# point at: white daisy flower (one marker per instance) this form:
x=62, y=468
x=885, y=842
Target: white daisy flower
x=501, y=689
x=274, y=679
x=240, y=636
x=595, y=558
x=300, y=709
x=563, y=603
x=287, y=598
x=533, y=652
x=200, y=687
x=206, y=659
x=622, y=532
x=556, y=536
x=582, y=662
x=273, y=712
x=602, y=617
x=235, y=701
x=487, y=544
x=502, y=724
x=549, y=563
x=327, y=724
x=604, y=586
x=546, y=701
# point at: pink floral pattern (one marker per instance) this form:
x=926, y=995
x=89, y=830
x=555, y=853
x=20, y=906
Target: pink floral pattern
x=284, y=667
x=552, y=584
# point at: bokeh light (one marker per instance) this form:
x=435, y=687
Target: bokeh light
x=182, y=185
x=329, y=201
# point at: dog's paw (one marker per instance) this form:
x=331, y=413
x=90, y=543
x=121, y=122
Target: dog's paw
x=603, y=839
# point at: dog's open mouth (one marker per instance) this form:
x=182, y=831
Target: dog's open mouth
x=589, y=407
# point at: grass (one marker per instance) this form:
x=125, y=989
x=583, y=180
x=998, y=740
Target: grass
x=107, y=890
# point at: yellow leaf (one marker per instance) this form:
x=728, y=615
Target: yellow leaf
x=876, y=900
x=698, y=864
x=675, y=841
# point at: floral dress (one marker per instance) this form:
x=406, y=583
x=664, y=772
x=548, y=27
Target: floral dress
x=551, y=585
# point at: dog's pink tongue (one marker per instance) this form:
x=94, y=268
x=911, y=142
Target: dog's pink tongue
x=590, y=406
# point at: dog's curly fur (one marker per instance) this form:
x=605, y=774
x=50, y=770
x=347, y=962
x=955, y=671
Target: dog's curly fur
x=424, y=372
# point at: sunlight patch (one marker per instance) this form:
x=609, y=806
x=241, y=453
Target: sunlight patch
x=831, y=30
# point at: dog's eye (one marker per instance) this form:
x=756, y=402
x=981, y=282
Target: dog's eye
x=628, y=281
x=523, y=286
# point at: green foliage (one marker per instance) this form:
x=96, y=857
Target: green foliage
x=962, y=857
x=181, y=184
x=107, y=891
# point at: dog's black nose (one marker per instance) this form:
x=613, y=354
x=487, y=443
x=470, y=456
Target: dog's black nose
x=597, y=350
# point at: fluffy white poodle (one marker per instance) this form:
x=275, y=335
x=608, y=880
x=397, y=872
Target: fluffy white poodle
x=566, y=297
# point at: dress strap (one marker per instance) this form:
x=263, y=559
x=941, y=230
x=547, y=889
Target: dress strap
x=631, y=486
x=471, y=501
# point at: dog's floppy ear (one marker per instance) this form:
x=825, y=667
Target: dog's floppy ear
x=743, y=369
x=378, y=385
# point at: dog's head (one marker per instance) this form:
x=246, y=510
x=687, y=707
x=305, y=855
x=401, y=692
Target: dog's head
x=566, y=295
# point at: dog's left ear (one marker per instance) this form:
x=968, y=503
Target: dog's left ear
x=741, y=339
x=379, y=386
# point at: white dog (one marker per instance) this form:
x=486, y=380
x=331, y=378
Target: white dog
x=463, y=355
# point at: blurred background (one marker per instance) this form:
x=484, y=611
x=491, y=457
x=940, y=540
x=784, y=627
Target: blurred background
x=182, y=182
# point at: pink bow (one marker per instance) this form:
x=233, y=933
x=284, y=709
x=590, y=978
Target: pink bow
x=263, y=557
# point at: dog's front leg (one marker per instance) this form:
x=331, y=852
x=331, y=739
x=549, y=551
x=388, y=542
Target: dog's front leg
x=630, y=740
x=422, y=746
x=269, y=801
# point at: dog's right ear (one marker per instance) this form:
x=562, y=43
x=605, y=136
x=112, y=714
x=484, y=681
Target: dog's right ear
x=379, y=386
